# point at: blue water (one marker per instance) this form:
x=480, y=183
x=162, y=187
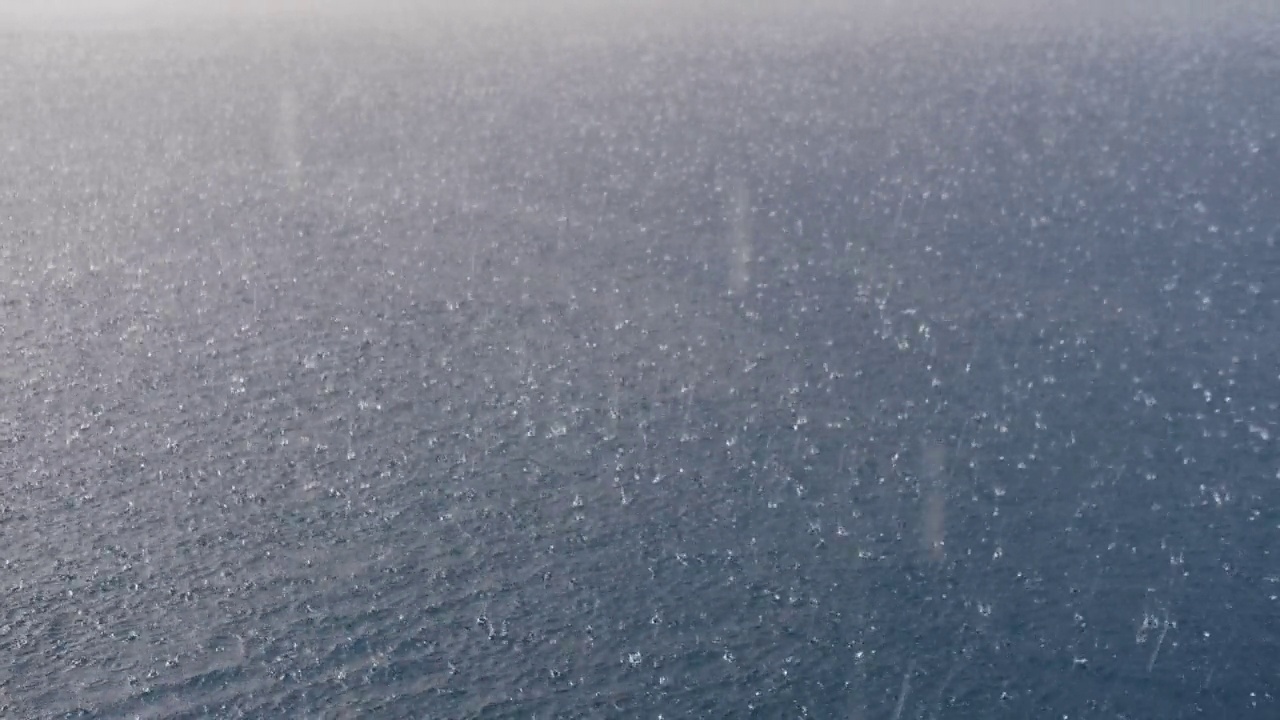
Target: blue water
x=640, y=365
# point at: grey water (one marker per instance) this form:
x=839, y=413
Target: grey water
x=881, y=360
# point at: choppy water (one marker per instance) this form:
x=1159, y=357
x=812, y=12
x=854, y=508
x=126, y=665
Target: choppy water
x=626, y=365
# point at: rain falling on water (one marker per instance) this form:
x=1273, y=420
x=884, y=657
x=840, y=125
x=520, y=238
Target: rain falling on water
x=874, y=360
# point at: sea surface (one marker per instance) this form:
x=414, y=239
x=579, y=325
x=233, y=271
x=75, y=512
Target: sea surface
x=648, y=360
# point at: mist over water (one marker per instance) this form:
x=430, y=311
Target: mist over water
x=876, y=360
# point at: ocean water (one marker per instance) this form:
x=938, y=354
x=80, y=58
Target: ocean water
x=571, y=362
